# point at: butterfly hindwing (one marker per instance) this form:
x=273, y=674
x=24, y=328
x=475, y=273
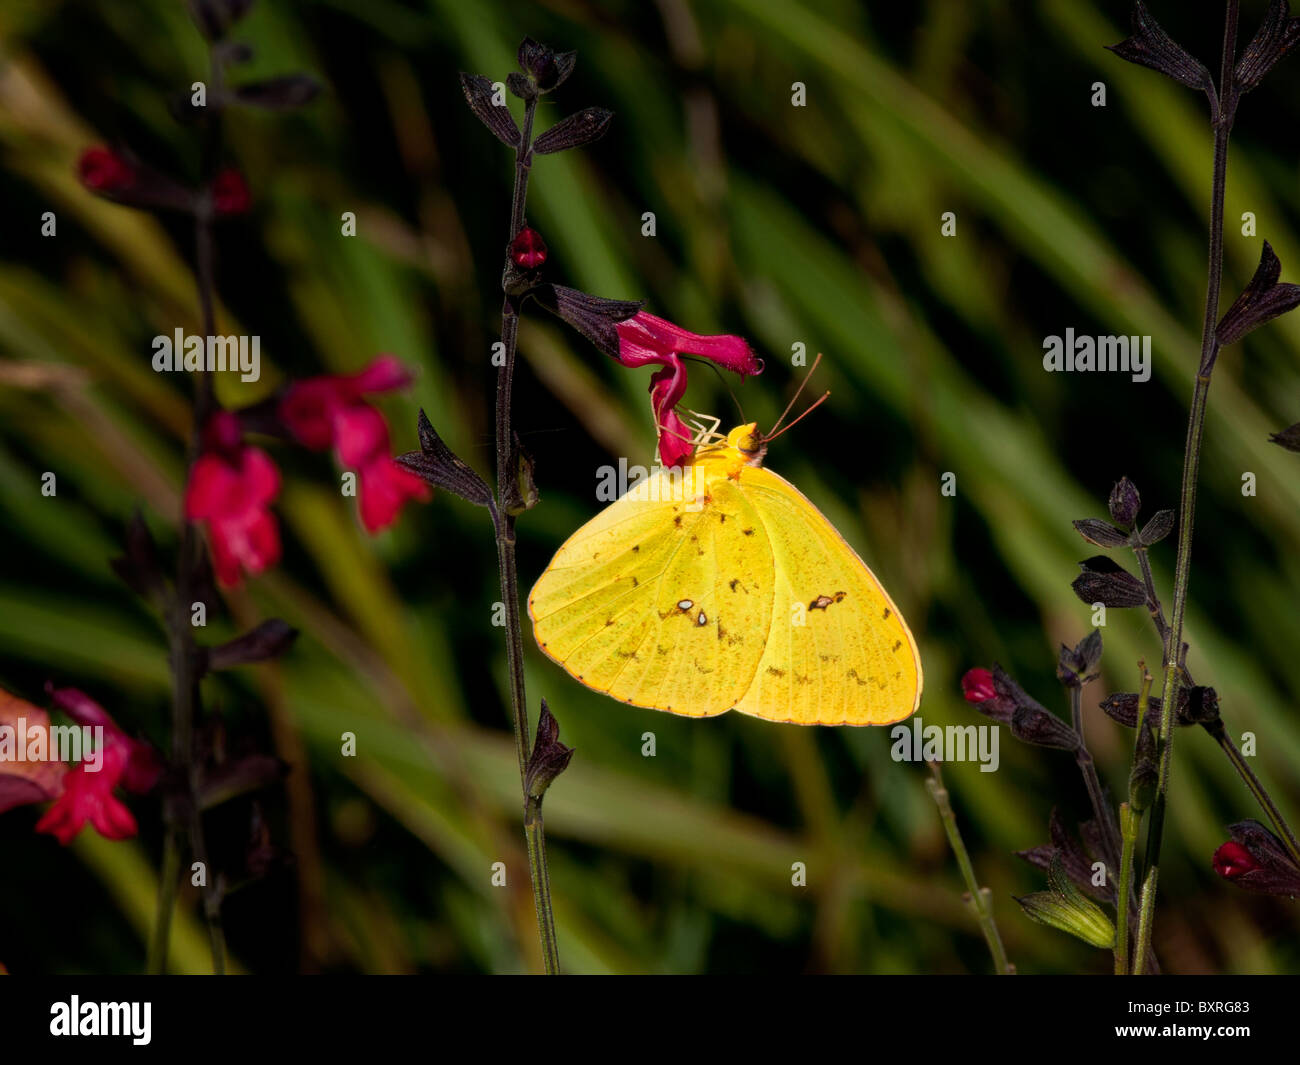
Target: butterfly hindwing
x=838, y=651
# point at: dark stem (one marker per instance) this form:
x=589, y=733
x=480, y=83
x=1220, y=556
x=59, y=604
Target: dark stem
x=1191, y=469
x=504, y=526
x=1100, y=810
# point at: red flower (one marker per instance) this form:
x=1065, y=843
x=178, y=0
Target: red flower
x=977, y=686
x=85, y=792
x=1233, y=860
x=329, y=411
x=231, y=488
x=230, y=193
x=644, y=339
x=528, y=250
x=103, y=170
x=1256, y=860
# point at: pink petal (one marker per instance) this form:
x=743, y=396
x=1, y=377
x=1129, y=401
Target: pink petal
x=360, y=434
x=645, y=338
x=308, y=409
x=383, y=488
x=385, y=373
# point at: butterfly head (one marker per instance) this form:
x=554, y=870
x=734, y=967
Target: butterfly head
x=749, y=442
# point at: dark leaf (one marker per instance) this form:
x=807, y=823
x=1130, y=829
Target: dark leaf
x=1124, y=503
x=592, y=316
x=269, y=640
x=1076, y=861
x=435, y=463
x=1150, y=46
x=1103, y=581
x=239, y=776
x=1276, y=36
x=1161, y=525
x=550, y=757
x=1261, y=301
x=575, y=131
x=1288, y=438
x=278, y=94
x=478, y=94
x=1101, y=533
x=139, y=568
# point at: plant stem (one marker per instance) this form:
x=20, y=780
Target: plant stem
x=1088, y=767
x=1129, y=822
x=504, y=525
x=1216, y=728
x=980, y=899
x=1223, y=118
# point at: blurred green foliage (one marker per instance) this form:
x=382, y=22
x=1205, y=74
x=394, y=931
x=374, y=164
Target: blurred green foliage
x=818, y=225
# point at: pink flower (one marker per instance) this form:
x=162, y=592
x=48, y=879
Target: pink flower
x=103, y=170
x=230, y=195
x=330, y=411
x=231, y=488
x=644, y=339
x=528, y=249
x=87, y=789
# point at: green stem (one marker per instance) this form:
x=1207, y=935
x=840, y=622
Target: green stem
x=1257, y=788
x=1129, y=822
x=979, y=898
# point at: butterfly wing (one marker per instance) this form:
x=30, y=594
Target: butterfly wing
x=663, y=599
x=837, y=650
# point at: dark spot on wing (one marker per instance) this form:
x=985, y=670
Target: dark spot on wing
x=824, y=601
x=885, y=614
x=748, y=532
x=773, y=671
x=897, y=645
x=702, y=619
x=636, y=547
x=678, y=521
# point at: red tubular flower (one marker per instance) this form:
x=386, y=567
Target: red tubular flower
x=644, y=339
x=231, y=488
x=977, y=686
x=328, y=411
x=528, y=249
x=230, y=195
x=1256, y=860
x=103, y=170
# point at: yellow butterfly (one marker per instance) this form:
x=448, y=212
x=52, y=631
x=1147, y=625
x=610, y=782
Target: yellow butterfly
x=720, y=587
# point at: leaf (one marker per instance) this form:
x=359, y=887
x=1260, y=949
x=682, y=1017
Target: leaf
x=1261, y=301
x=436, y=464
x=575, y=131
x=1106, y=582
x=1161, y=525
x=1276, y=36
x=1288, y=438
x=1101, y=533
x=269, y=640
x=478, y=94
x=1150, y=46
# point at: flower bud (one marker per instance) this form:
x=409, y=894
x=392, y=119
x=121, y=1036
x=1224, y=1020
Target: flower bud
x=1125, y=503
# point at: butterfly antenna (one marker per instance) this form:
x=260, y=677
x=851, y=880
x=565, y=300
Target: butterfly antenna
x=815, y=404
x=773, y=434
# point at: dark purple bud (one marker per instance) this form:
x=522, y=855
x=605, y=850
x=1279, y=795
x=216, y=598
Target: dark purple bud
x=478, y=94
x=550, y=757
x=1262, y=300
x=521, y=86
x=436, y=464
x=1150, y=46
x=1042, y=729
x=546, y=68
x=1124, y=503
x=1277, y=35
x=1078, y=665
x=575, y=131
